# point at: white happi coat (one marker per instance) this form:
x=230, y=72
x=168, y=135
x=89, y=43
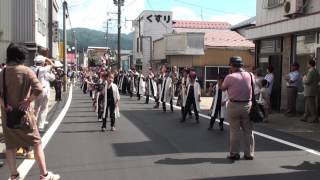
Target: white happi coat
x=142, y=85
x=153, y=84
x=167, y=91
x=116, y=97
x=224, y=99
x=132, y=84
x=184, y=90
x=120, y=83
x=197, y=93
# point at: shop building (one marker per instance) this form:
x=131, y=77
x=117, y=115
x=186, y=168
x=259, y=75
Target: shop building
x=207, y=53
x=286, y=31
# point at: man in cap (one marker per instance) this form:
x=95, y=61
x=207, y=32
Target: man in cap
x=238, y=85
x=42, y=69
x=293, y=79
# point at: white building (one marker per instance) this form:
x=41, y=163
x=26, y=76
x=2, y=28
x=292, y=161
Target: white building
x=148, y=27
x=24, y=22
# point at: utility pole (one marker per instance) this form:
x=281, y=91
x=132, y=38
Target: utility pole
x=107, y=33
x=65, y=63
x=75, y=49
x=119, y=32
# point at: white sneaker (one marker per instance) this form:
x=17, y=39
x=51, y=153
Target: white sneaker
x=50, y=176
x=113, y=129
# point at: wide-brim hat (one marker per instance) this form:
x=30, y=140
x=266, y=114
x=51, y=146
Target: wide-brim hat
x=39, y=59
x=236, y=61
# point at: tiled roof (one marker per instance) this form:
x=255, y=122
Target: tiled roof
x=201, y=24
x=248, y=22
x=226, y=39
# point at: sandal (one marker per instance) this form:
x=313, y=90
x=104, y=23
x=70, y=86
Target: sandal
x=14, y=177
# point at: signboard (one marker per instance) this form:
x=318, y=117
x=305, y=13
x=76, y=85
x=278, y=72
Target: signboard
x=61, y=50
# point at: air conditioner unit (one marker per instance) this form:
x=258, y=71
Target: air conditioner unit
x=292, y=7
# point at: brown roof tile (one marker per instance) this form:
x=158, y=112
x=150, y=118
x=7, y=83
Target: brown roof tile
x=201, y=24
x=226, y=39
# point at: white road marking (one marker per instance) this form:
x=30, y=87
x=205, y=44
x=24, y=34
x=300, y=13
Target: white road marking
x=312, y=151
x=27, y=164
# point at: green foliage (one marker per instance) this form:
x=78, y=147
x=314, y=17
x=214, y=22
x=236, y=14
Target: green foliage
x=89, y=37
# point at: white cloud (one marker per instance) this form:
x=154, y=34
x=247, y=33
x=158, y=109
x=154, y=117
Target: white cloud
x=183, y=13
x=93, y=14
x=230, y=18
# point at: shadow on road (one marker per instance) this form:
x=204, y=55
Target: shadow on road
x=313, y=175
x=172, y=161
x=305, y=166
x=167, y=135
x=80, y=131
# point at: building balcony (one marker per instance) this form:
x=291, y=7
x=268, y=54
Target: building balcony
x=178, y=44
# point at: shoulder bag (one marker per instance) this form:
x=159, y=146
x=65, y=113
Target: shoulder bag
x=15, y=119
x=256, y=114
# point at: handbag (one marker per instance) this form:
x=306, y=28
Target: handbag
x=15, y=119
x=256, y=114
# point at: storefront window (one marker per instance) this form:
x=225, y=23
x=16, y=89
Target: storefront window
x=305, y=50
x=200, y=75
x=270, y=46
x=212, y=73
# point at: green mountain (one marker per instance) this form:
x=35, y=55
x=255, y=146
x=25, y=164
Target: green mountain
x=88, y=37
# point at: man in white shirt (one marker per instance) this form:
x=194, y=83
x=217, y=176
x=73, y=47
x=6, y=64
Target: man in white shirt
x=293, y=79
x=45, y=76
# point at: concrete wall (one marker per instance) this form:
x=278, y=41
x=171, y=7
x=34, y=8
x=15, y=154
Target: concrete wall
x=212, y=57
x=5, y=27
x=286, y=56
x=159, y=49
x=265, y=16
x=23, y=19
x=302, y=22
x=220, y=56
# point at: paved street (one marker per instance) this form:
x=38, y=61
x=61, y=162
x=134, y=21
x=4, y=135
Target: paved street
x=150, y=144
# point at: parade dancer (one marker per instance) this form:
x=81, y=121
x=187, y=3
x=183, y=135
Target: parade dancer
x=111, y=102
x=166, y=89
x=174, y=76
x=100, y=96
x=151, y=86
x=120, y=81
x=124, y=84
x=218, y=107
x=141, y=85
x=185, y=81
x=132, y=83
x=192, y=97
x=158, y=80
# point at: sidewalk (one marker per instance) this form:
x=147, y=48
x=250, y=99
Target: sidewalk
x=52, y=102
x=279, y=122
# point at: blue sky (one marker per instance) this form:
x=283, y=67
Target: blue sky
x=93, y=13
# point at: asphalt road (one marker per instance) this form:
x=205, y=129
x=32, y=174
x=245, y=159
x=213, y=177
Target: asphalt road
x=152, y=145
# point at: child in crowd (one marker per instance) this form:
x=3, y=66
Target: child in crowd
x=264, y=99
x=218, y=107
x=111, y=102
